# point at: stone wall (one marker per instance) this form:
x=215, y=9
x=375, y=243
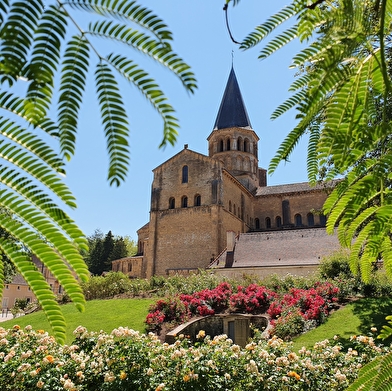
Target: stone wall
x=298, y=203
x=235, y=326
x=265, y=271
x=131, y=266
x=298, y=247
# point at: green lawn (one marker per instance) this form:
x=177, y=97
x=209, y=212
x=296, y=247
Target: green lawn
x=355, y=318
x=99, y=315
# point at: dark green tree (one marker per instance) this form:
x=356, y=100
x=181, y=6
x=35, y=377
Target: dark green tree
x=103, y=250
x=93, y=256
x=119, y=249
x=107, y=250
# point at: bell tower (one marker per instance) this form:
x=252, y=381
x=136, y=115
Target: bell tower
x=233, y=141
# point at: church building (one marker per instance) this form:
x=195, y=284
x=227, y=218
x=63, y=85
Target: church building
x=217, y=210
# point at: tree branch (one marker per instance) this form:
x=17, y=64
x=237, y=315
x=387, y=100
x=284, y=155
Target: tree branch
x=225, y=7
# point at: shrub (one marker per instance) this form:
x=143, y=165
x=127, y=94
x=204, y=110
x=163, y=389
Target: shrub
x=106, y=287
x=336, y=265
x=313, y=304
x=126, y=360
x=253, y=299
x=171, y=310
x=290, y=323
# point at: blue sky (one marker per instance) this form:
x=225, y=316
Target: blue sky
x=201, y=39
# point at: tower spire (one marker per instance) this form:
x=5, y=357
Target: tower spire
x=232, y=111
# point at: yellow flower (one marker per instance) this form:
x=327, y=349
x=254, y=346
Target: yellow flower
x=294, y=374
x=49, y=358
x=201, y=334
x=123, y=375
x=186, y=378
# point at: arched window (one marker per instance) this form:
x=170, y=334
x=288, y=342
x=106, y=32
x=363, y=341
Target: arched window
x=278, y=221
x=229, y=206
x=185, y=174
x=246, y=145
x=239, y=144
x=184, y=202
x=298, y=220
x=197, y=200
x=129, y=267
x=323, y=220
x=228, y=144
x=310, y=217
x=267, y=222
x=221, y=146
x=172, y=203
x=140, y=247
x=257, y=223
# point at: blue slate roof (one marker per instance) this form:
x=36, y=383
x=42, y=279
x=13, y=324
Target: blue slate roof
x=232, y=111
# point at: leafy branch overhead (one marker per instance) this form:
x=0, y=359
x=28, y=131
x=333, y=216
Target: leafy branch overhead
x=342, y=97
x=45, y=59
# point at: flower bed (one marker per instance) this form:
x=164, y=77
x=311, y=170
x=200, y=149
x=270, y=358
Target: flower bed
x=127, y=360
x=291, y=312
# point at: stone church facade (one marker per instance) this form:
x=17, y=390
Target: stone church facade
x=201, y=205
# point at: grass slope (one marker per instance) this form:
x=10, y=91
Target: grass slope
x=355, y=318
x=99, y=315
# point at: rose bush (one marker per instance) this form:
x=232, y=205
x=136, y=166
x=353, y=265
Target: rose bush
x=128, y=360
x=312, y=304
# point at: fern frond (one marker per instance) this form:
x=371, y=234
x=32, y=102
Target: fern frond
x=39, y=286
x=3, y=8
x=288, y=104
x=17, y=35
x=31, y=165
x=307, y=109
x=73, y=81
x=386, y=254
x=352, y=227
x=310, y=20
x=151, y=91
x=366, y=376
x=312, y=162
x=386, y=330
x=29, y=142
x=300, y=82
x=44, y=62
x=42, y=216
x=356, y=197
x=278, y=42
x=267, y=27
x=147, y=45
x=285, y=148
x=128, y=10
x=115, y=122
x=383, y=380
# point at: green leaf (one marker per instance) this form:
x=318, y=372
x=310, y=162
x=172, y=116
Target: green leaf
x=17, y=36
x=73, y=80
x=115, y=122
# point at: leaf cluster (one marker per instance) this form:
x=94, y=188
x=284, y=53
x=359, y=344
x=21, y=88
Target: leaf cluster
x=45, y=59
x=342, y=98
